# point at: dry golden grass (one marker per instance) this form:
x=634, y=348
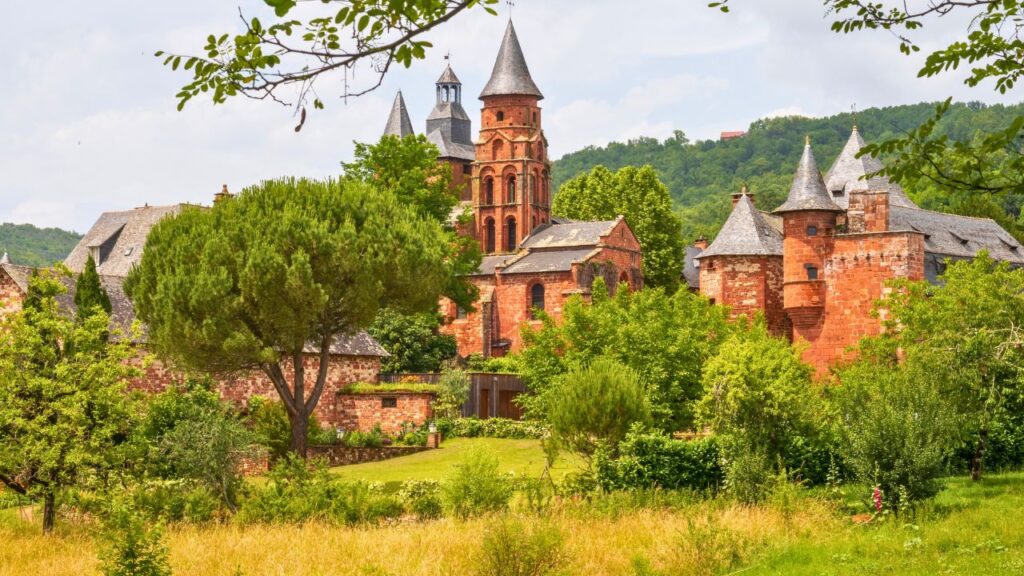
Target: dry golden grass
x=694, y=540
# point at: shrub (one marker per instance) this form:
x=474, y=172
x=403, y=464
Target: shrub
x=269, y=422
x=454, y=391
x=175, y=501
x=297, y=492
x=748, y=474
x=490, y=428
x=897, y=431
x=477, y=486
x=131, y=548
x=513, y=548
x=372, y=439
x=596, y=404
x=422, y=498
x=654, y=460
x=413, y=435
x=493, y=365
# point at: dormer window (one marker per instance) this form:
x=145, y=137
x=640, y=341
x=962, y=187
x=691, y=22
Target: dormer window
x=128, y=250
x=963, y=241
x=837, y=193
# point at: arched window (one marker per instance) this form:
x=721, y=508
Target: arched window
x=510, y=235
x=511, y=189
x=501, y=116
x=536, y=299
x=447, y=94
x=489, y=235
x=489, y=190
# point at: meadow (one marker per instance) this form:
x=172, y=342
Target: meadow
x=970, y=528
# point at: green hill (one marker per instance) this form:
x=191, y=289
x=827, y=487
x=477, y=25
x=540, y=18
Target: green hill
x=701, y=175
x=31, y=246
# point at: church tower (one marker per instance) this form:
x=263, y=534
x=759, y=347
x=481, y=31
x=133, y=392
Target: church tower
x=450, y=129
x=511, y=175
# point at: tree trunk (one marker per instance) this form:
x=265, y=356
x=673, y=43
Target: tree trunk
x=979, y=454
x=49, y=512
x=300, y=428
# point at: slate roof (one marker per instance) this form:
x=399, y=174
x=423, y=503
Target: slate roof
x=847, y=175
x=120, y=238
x=691, y=272
x=448, y=76
x=489, y=263
x=398, y=120
x=451, y=109
x=808, y=191
x=571, y=234
x=549, y=261
x=510, y=75
x=19, y=274
x=746, y=233
x=449, y=149
x=957, y=237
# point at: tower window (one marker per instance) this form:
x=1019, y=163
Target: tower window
x=536, y=299
x=511, y=190
x=489, y=191
x=812, y=272
x=812, y=230
x=535, y=118
x=489, y=242
x=510, y=235
x=501, y=116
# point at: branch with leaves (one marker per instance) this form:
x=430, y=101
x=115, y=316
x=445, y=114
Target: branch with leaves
x=264, y=61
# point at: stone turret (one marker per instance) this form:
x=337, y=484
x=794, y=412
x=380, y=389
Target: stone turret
x=398, y=120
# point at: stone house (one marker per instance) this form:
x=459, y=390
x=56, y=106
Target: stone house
x=816, y=265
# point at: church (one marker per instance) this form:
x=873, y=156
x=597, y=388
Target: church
x=532, y=259
x=816, y=265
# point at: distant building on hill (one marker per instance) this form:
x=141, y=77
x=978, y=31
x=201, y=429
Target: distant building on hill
x=731, y=135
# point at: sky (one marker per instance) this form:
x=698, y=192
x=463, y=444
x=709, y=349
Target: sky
x=88, y=120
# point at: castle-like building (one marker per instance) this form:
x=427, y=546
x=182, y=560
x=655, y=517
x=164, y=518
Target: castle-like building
x=533, y=260
x=816, y=265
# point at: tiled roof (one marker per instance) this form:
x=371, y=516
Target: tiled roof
x=747, y=232
x=691, y=273
x=549, y=261
x=448, y=110
x=20, y=274
x=808, y=191
x=398, y=120
x=510, y=76
x=848, y=172
x=571, y=234
x=448, y=149
x=448, y=76
x=956, y=236
x=489, y=263
x=120, y=238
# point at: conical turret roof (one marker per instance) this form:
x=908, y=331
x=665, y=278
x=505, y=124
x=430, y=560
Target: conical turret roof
x=848, y=171
x=448, y=76
x=808, y=191
x=398, y=121
x=510, y=76
x=747, y=232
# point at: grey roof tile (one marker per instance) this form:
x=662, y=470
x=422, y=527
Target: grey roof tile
x=398, y=120
x=691, y=273
x=570, y=234
x=20, y=274
x=745, y=233
x=448, y=149
x=510, y=76
x=489, y=263
x=958, y=237
x=848, y=172
x=808, y=191
x=559, y=260
x=448, y=76
x=120, y=238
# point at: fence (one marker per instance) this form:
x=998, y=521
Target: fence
x=490, y=395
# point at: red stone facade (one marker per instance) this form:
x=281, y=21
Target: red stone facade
x=11, y=295
x=389, y=410
x=748, y=285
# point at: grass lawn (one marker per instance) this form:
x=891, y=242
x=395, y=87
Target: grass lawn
x=518, y=456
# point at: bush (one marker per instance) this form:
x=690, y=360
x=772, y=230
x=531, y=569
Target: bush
x=372, y=439
x=490, y=428
x=477, y=487
x=494, y=364
x=513, y=548
x=175, y=501
x=297, y=493
x=454, y=391
x=413, y=435
x=596, y=404
x=654, y=460
x=897, y=431
x=131, y=548
x=422, y=498
x=269, y=422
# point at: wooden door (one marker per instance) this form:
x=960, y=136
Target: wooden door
x=507, y=408
x=485, y=402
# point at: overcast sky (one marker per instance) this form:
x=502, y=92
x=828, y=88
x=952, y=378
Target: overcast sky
x=88, y=120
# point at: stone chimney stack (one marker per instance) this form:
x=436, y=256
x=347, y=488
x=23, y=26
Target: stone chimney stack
x=702, y=242
x=743, y=192
x=222, y=195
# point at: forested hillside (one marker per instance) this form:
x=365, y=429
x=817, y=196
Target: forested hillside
x=31, y=246
x=701, y=175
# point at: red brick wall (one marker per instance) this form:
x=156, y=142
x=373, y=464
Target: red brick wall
x=855, y=277
x=10, y=294
x=364, y=411
x=869, y=212
x=342, y=371
x=747, y=285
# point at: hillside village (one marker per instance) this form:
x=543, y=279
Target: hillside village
x=816, y=373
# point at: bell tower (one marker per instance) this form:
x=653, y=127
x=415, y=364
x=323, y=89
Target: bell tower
x=511, y=174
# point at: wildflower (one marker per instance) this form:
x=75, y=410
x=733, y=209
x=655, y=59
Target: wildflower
x=876, y=497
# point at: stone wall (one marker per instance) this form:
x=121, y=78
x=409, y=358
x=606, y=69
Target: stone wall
x=363, y=412
x=10, y=294
x=344, y=455
x=342, y=371
x=747, y=285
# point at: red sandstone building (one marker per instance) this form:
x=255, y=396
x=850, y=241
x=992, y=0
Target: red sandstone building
x=816, y=265
x=533, y=261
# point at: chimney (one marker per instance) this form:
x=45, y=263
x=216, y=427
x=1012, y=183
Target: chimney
x=222, y=195
x=743, y=192
x=701, y=243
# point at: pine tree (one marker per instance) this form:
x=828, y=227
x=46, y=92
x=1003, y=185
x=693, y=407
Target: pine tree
x=89, y=293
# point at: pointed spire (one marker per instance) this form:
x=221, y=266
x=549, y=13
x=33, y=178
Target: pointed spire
x=848, y=172
x=448, y=76
x=398, y=121
x=510, y=76
x=745, y=233
x=808, y=191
